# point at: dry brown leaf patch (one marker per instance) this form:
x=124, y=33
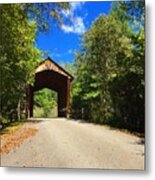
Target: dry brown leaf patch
x=14, y=139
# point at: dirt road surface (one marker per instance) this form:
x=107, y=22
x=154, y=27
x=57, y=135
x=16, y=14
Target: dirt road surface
x=62, y=143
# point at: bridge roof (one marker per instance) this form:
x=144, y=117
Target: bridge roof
x=49, y=64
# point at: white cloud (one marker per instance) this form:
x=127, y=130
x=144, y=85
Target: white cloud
x=66, y=13
x=76, y=5
x=67, y=28
x=54, y=53
x=73, y=7
x=77, y=26
x=77, y=23
x=57, y=55
x=70, y=51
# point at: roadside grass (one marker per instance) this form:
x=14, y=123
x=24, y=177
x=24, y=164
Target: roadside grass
x=11, y=128
x=41, y=112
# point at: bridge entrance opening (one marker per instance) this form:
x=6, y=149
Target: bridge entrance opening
x=45, y=104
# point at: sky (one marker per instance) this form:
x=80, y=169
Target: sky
x=61, y=42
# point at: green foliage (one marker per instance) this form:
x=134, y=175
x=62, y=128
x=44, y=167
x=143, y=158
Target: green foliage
x=127, y=94
x=45, y=100
x=19, y=25
x=43, y=12
x=110, y=69
x=18, y=55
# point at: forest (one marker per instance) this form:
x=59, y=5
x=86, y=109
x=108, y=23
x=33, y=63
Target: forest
x=109, y=67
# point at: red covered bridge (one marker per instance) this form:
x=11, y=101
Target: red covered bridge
x=49, y=74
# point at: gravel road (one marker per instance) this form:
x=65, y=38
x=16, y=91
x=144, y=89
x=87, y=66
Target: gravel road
x=72, y=144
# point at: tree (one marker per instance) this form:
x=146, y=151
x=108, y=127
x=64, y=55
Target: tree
x=110, y=68
x=18, y=55
x=130, y=84
x=45, y=101
x=19, y=24
x=43, y=13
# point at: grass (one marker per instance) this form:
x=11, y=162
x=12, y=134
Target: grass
x=11, y=128
x=40, y=112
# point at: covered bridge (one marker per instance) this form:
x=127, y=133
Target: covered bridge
x=48, y=74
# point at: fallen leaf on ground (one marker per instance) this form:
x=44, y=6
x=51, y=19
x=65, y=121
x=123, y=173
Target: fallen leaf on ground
x=14, y=139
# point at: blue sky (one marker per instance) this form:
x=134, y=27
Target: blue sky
x=61, y=42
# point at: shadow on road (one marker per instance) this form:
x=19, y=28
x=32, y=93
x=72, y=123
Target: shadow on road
x=141, y=142
x=34, y=121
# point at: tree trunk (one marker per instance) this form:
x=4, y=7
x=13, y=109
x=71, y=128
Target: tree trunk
x=18, y=110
